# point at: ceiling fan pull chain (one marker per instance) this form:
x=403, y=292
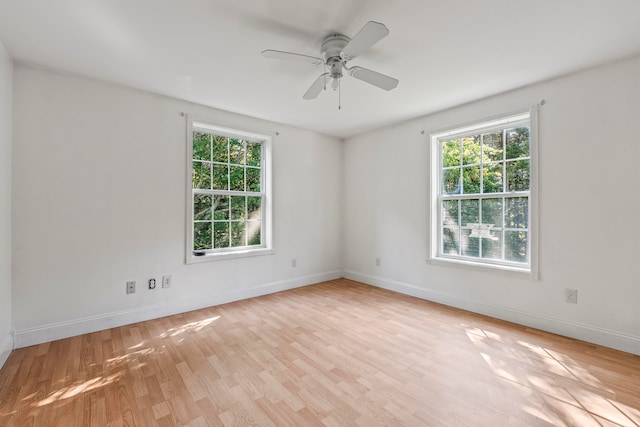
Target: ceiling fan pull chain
x=325, y=76
x=339, y=94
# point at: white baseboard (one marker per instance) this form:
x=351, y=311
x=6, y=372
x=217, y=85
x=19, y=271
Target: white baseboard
x=588, y=333
x=6, y=346
x=56, y=331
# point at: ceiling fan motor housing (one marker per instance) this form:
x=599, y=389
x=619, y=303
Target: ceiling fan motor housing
x=331, y=48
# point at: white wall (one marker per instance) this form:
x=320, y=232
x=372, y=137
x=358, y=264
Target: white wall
x=99, y=199
x=6, y=89
x=589, y=202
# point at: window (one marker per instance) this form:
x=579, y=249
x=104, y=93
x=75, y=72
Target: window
x=482, y=199
x=228, y=204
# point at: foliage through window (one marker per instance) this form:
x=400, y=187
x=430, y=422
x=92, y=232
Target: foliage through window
x=228, y=191
x=483, y=195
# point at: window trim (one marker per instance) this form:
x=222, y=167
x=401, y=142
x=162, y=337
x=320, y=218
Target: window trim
x=266, y=248
x=434, y=161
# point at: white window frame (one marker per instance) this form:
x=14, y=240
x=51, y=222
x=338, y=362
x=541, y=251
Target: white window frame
x=266, y=248
x=529, y=269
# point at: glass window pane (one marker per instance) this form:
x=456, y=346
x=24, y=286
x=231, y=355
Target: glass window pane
x=253, y=179
x=516, y=246
x=518, y=175
x=254, y=153
x=492, y=178
x=201, y=175
x=450, y=212
x=201, y=146
x=492, y=147
x=238, y=208
x=470, y=245
x=451, y=153
x=451, y=241
x=221, y=208
x=220, y=177
x=517, y=145
x=492, y=212
x=516, y=212
x=470, y=211
x=254, y=205
x=220, y=146
x=253, y=233
x=471, y=180
x=238, y=236
x=451, y=181
x=201, y=207
x=221, y=234
x=492, y=246
x=236, y=178
x=236, y=151
x=471, y=150
x=201, y=236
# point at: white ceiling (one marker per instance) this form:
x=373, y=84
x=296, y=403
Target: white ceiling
x=444, y=52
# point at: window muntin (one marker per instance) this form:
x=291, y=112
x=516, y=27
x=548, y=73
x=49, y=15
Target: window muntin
x=228, y=185
x=483, y=194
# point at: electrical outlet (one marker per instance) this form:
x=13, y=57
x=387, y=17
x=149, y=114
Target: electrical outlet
x=377, y=262
x=131, y=287
x=294, y=263
x=166, y=281
x=152, y=283
x=571, y=296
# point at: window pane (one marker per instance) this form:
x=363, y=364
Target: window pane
x=220, y=149
x=253, y=233
x=492, y=246
x=451, y=153
x=470, y=245
x=220, y=208
x=516, y=212
x=492, y=212
x=516, y=246
x=518, y=175
x=253, y=179
x=492, y=178
x=517, y=143
x=201, y=175
x=470, y=211
x=471, y=150
x=451, y=241
x=254, y=205
x=201, y=146
x=254, y=154
x=238, y=234
x=238, y=208
x=492, y=147
x=201, y=207
x=236, y=151
x=201, y=236
x=451, y=181
x=221, y=234
x=236, y=178
x=471, y=180
x=220, y=177
x=450, y=212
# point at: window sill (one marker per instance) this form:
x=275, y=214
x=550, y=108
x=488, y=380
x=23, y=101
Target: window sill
x=192, y=259
x=489, y=268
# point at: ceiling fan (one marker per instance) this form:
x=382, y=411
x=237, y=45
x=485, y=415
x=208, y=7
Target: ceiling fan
x=336, y=50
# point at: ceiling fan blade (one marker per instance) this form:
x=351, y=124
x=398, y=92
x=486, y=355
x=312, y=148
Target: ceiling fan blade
x=374, y=78
x=370, y=34
x=278, y=54
x=315, y=88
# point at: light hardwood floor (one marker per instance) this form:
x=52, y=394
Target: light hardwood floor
x=338, y=353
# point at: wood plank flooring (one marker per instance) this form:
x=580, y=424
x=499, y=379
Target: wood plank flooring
x=338, y=353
